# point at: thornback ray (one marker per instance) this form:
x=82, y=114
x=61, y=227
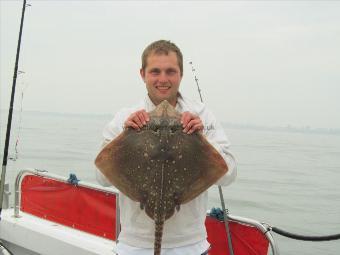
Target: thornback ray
x=160, y=166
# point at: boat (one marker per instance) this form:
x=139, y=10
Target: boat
x=58, y=215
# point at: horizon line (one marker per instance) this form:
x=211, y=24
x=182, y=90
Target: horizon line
x=253, y=126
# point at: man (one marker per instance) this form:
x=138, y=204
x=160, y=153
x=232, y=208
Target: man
x=184, y=233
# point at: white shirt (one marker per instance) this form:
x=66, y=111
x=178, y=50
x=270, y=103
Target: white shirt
x=192, y=249
x=186, y=227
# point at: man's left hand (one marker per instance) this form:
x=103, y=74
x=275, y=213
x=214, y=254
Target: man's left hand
x=191, y=123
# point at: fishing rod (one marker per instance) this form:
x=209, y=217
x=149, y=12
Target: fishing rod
x=16, y=151
x=225, y=211
x=10, y=112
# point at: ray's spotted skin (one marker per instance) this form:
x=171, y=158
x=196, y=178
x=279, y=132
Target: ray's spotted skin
x=160, y=166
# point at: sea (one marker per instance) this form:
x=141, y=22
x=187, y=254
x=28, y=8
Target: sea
x=286, y=179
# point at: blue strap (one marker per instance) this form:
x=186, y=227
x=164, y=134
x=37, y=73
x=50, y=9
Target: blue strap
x=73, y=179
x=216, y=213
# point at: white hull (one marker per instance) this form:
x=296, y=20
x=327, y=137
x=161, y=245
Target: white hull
x=30, y=235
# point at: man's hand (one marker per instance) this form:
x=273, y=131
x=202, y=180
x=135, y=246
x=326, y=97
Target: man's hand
x=191, y=123
x=137, y=120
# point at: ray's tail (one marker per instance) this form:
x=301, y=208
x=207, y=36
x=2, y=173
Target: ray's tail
x=159, y=224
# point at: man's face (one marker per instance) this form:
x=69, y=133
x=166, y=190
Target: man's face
x=162, y=77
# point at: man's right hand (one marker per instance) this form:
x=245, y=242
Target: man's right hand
x=137, y=120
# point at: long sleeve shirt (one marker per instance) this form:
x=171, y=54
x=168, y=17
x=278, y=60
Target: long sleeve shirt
x=186, y=226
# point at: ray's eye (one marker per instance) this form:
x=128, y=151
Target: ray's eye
x=173, y=130
x=155, y=129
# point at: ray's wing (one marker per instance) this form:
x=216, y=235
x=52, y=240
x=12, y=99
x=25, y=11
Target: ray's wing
x=198, y=163
x=125, y=163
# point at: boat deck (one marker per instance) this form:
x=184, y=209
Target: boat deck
x=32, y=235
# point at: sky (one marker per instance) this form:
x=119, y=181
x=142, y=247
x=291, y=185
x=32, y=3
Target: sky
x=270, y=63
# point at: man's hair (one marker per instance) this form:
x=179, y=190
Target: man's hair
x=162, y=47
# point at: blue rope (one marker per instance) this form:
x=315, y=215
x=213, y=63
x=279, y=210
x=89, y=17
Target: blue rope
x=216, y=213
x=73, y=179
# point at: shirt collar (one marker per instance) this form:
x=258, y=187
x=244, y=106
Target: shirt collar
x=150, y=106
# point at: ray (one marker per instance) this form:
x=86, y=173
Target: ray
x=160, y=166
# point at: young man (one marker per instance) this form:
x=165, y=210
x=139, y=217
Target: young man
x=184, y=233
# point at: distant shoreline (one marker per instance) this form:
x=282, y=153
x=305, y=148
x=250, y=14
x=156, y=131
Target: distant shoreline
x=289, y=128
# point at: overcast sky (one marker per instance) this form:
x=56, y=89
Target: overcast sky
x=273, y=63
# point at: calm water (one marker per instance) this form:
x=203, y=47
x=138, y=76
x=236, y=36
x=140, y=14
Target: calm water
x=289, y=180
